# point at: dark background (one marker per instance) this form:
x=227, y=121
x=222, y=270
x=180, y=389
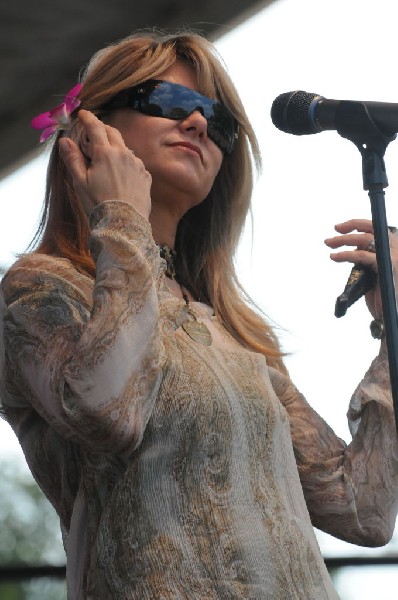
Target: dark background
x=44, y=44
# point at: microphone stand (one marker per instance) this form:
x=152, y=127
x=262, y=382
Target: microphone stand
x=355, y=124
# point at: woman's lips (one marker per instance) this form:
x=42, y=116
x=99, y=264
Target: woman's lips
x=190, y=147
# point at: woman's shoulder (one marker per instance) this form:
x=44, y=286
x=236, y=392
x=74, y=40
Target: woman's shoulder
x=37, y=260
x=37, y=271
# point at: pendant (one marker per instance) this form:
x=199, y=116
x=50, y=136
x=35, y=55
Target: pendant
x=198, y=332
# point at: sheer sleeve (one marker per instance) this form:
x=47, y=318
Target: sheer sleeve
x=351, y=490
x=87, y=356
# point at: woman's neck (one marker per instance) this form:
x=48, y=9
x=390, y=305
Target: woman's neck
x=164, y=225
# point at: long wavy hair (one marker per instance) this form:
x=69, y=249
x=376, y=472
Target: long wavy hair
x=208, y=234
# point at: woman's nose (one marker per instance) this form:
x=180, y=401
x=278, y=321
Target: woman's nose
x=195, y=122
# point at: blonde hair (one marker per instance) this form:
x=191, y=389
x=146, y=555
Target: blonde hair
x=208, y=234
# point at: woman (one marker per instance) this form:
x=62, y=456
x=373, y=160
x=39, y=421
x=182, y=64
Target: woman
x=150, y=400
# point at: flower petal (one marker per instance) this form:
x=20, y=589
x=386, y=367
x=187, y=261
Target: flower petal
x=42, y=120
x=59, y=113
x=58, y=117
x=75, y=91
x=72, y=105
x=70, y=98
x=48, y=133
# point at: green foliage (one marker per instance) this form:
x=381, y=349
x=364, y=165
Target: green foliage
x=30, y=533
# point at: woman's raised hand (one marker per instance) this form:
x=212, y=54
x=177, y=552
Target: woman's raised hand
x=359, y=233
x=112, y=171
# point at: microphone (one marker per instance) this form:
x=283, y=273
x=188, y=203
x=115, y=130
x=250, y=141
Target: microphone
x=360, y=281
x=301, y=113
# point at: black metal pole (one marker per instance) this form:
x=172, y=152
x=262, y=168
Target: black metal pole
x=355, y=124
x=387, y=288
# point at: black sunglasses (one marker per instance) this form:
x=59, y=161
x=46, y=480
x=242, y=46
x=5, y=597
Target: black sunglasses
x=159, y=98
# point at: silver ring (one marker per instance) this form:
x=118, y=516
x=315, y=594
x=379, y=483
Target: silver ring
x=371, y=246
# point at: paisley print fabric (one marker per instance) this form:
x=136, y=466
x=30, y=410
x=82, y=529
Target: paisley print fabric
x=179, y=471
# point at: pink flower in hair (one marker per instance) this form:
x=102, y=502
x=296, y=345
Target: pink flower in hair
x=59, y=117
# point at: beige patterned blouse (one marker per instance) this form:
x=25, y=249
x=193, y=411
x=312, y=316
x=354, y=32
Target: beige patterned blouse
x=179, y=471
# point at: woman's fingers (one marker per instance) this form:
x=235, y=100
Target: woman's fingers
x=357, y=233
x=360, y=225
x=114, y=136
x=362, y=257
x=75, y=162
x=112, y=172
x=94, y=130
x=96, y=136
x=73, y=159
x=360, y=240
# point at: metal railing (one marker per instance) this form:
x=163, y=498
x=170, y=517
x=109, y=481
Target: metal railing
x=25, y=572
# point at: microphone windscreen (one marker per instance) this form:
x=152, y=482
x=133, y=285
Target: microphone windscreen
x=290, y=112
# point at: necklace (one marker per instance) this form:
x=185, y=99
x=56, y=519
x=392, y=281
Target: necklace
x=198, y=332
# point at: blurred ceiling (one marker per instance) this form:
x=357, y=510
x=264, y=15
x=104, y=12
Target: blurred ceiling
x=44, y=43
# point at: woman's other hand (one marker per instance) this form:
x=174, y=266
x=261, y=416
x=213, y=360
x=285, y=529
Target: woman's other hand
x=107, y=170
x=359, y=234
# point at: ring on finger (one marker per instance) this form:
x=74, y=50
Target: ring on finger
x=371, y=246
